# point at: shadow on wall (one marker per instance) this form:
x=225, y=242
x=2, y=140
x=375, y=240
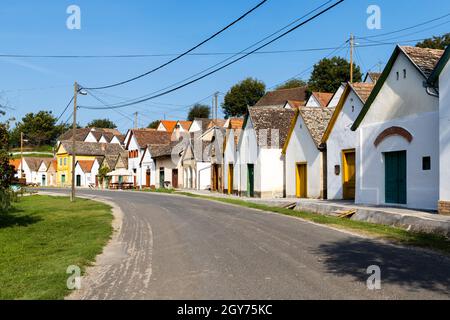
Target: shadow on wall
x=413, y=269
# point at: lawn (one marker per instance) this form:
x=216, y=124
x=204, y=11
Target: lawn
x=397, y=235
x=32, y=155
x=44, y=235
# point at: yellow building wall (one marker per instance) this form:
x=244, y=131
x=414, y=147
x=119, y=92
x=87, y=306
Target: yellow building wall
x=65, y=168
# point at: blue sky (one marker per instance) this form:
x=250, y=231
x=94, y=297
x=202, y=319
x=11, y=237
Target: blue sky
x=171, y=26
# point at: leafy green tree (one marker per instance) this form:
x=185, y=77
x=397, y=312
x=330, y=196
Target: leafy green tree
x=39, y=128
x=198, y=111
x=328, y=74
x=293, y=83
x=436, y=42
x=6, y=170
x=101, y=123
x=240, y=96
x=153, y=125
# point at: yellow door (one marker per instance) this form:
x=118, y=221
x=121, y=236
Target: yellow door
x=301, y=181
x=230, y=178
x=349, y=174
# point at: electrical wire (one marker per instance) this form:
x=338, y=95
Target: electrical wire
x=184, y=53
x=228, y=64
x=65, y=109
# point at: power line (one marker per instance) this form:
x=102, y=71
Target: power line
x=65, y=109
x=228, y=64
x=184, y=53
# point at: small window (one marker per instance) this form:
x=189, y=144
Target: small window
x=398, y=76
x=60, y=161
x=65, y=161
x=353, y=108
x=404, y=73
x=426, y=163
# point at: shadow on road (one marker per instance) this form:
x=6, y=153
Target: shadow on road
x=413, y=269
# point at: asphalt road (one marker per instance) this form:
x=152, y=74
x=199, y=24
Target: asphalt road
x=173, y=247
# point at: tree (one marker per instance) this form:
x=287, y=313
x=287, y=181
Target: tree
x=153, y=125
x=293, y=83
x=101, y=123
x=199, y=111
x=39, y=128
x=436, y=42
x=242, y=95
x=6, y=170
x=328, y=74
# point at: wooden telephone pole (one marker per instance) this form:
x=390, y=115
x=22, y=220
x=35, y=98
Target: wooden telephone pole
x=21, y=155
x=74, y=130
x=136, y=120
x=351, y=57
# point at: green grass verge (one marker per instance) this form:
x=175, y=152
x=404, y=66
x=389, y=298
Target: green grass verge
x=44, y=235
x=159, y=190
x=398, y=235
x=35, y=149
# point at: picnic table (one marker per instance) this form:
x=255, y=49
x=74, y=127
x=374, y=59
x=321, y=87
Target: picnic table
x=121, y=186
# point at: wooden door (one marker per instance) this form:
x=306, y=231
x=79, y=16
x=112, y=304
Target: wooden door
x=250, y=180
x=147, y=178
x=175, y=178
x=301, y=190
x=230, y=178
x=78, y=182
x=161, y=178
x=395, y=177
x=349, y=174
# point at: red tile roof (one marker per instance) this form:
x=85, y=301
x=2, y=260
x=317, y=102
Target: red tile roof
x=151, y=137
x=323, y=97
x=279, y=97
x=424, y=58
x=86, y=165
x=169, y=125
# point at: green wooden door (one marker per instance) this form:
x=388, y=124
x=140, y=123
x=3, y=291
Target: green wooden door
x=395, y=177
x=78, y=182
x=161, y=178
x=251, y=180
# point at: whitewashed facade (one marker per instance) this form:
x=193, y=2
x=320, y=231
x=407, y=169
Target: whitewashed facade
x=397, y=154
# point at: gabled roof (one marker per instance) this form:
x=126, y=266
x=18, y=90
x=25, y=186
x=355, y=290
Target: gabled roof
x=316, y=121
x=145, y=137
x=216, y=123
x=279, y=97
x=34, y=163
x=86, y=165
x=295, y=104
x=169, y=125
x=82, y=133
x=425, y=60
x=185, y=124
x=434, y=77
x=362, y=91
x=323, y=98
x=92, y=148
x=266, y=119
x=373, y=75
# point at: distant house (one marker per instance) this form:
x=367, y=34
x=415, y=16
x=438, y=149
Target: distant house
x=196, y=163
x=341, y=141
x=214, y=136
x=319, y=99
x=30, y=169
x=260, y=164
x=278, y=98
x=140, y=161
x=167, y=126
x=169, y=169
x=52, y=173
x=397, y=155
x=305, y=157
x=43, y=178
x=440, y=81
x=86, y=173
x=372, y=77
x=232, y=133
x=84, y=151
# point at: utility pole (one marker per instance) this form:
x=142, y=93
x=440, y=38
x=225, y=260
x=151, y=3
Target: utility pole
x=216, y=103
x=74, y=130
x=351, y=57
x=136, y=120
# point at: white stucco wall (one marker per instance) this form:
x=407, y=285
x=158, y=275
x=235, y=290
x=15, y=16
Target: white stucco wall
x=90, y=138
x=403, y=103
x=341, y=138
x=301, y=148
x=444, y=133
x=203, y=175
x=336, y=97
x=147, y=163
x=269, y=173
x=312, y=102
x=229, y=157
x=247, y=154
